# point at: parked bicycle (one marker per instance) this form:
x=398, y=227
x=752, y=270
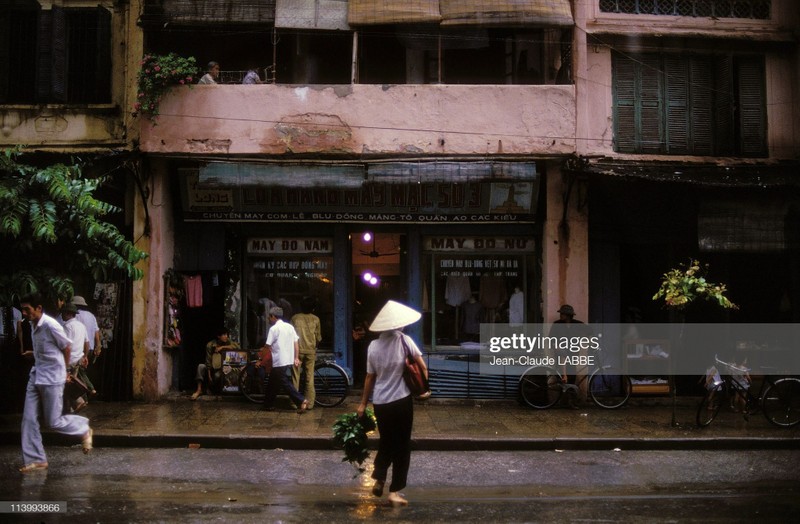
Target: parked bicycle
x=331, y=382
x=542, y=387
x=778, y=397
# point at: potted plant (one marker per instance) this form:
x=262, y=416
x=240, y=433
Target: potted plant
x=157, y=75
x=680, y=288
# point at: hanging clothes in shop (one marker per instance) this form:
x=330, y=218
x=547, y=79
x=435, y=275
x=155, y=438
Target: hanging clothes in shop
x=457, y=290
x=492, y=295
x=516, y=307
x=194, y=290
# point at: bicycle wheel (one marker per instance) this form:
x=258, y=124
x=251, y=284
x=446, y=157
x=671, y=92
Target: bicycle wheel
x=609, y=387
x=540, y=387
x=709, y=406
x=781, y=402
x=251, y=385
x=331, y=384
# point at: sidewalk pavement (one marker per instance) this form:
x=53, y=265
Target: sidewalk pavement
x=453, y=425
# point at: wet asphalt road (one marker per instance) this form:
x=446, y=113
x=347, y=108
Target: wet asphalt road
x=218, y=485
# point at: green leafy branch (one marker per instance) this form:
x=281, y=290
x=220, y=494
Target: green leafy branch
x=687, y=283
x=53, y=224
x=350, y=433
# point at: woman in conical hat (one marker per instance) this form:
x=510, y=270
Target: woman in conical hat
x=391, y=398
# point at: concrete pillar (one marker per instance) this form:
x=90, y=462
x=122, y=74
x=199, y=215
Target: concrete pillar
x=153, y=226
x=565, y=250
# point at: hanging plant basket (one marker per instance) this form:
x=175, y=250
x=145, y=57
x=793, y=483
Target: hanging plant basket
x=682, y=286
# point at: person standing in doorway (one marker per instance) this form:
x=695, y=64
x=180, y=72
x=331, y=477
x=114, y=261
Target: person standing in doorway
x=307, y=326
x=394, y=406
x=282, y=343
x=45, y=390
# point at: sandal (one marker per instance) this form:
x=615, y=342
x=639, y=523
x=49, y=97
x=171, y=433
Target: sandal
x=86, y=443
x=33, y=466
x=396, y=499
x=377, y=488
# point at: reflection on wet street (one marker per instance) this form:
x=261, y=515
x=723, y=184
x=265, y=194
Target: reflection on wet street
x=203, y=485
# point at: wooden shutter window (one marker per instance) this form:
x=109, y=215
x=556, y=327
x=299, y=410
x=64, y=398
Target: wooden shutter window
x=58, y=57
x=750, y=103
x=677, y=119
x=44, y=53
x=650, y=79
x=723, y=106
x=701, y=82
x=102, y=90
x=624, y=85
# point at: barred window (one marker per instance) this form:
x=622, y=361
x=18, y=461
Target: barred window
x=55, y=56
x=754, y=9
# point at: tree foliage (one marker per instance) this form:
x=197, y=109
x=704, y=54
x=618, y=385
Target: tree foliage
x=52, y=227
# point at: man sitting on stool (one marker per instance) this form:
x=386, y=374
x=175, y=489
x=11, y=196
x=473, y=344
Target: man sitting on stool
x=211, y=370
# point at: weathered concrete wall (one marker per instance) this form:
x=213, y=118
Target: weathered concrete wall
x=594, y=79
x=364, y=120
x=565, y=245
x=152, y=365
x=84, y=127
x=784, y=20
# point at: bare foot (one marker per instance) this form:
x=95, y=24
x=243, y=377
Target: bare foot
x=397, y=500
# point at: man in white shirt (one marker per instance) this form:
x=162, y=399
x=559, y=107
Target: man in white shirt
x=45, y=391
x=88, y=319
x=282, y=342
x=79, y=353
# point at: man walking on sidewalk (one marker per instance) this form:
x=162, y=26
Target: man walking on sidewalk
x=45, y=391
x=282, y=342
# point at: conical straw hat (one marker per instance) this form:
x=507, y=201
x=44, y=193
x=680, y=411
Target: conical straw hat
x=394, y=315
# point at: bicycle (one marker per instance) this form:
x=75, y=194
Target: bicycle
x=779, y=398
x=542, y=387
x=331, y=382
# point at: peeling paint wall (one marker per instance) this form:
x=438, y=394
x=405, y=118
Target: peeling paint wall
x=365, y=119
x=152, y=364
x=565, y=246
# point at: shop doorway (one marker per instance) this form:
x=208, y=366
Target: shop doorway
x=379, y=273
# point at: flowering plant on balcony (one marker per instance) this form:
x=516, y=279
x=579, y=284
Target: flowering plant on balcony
x=683, y=285
x=157, y=75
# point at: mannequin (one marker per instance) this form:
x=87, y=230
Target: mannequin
x=516, y=307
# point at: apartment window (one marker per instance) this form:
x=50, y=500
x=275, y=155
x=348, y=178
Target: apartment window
x=755, y=9
x=425, y=54
x=55, y=56
x=689, y=105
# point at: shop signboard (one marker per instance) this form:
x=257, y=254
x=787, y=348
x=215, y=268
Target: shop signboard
x=490, y=192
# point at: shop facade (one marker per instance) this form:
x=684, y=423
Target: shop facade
x=460, y=241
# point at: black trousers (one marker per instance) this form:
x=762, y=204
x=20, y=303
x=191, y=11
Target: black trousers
x=278, y=378
x=395, y=420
